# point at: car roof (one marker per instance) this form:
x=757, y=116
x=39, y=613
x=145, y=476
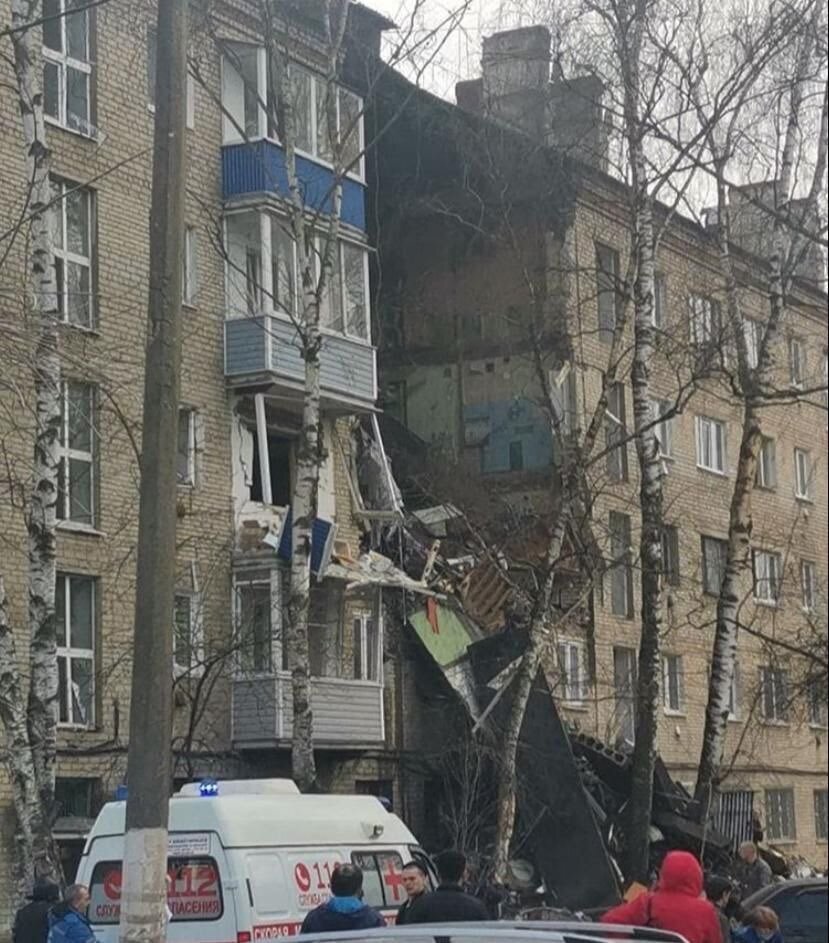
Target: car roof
x=502, y=932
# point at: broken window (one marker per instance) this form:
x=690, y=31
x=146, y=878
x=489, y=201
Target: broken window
x=280, y=465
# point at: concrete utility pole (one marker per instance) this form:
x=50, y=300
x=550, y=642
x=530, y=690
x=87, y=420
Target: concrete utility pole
x=143, y=899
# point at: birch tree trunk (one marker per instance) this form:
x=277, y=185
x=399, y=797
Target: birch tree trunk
x=41, y=518
x=755, y=383
x=647, y=451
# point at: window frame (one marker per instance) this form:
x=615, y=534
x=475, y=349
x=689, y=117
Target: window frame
x=63, y=62
x=673, y=679
x=774, y=693
x=705, y=318
x=616, y=444
x=660, y=298
x=706, y=428
x=763, y=480
x=671, y=575
x=774, y=579
x=753, y=335
x=821, y=807
x=797, y=362
x=190, y=268
x=734, y=712
x=817, y=704
x=722, y=550
x=68, y=653
x=573, y=694
x=622, y=564
x=626, y=697
x=195, y=633
x=663, y=428
x=270, y=579
x=808, y=585
x=67, y=455
x=64, y=256
x=366, y=623
x=781, y=813
x=803, y=475
x=607, y=283
x=189, y=479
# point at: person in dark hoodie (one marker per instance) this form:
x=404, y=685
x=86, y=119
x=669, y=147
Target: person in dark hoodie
x=67, y=921
x=345, y=909
x=676, y=904
x=718, y=890
x=31, y=922
x=449, y=903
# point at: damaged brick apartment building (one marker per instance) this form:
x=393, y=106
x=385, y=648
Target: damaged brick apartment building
x=504, y=243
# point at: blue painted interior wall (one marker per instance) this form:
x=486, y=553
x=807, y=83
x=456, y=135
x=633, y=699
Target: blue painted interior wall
x=509, y=429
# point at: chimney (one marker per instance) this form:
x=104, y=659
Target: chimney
x=516, y=76
x=576, y=119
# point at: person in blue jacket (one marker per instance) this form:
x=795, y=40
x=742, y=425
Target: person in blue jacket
x=67, y=920
x=345, y=909
x=760, y=925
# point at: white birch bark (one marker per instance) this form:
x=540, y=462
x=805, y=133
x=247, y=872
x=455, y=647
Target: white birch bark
x=42, y=499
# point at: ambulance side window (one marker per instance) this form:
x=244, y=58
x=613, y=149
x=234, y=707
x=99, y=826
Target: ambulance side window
x=382, y=878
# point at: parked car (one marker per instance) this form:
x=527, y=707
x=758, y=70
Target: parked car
x=801, y=906
x=502, y=932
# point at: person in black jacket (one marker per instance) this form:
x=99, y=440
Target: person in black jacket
x=31, y=923
x=449, y=903
x=416, y=884
x=345, y=909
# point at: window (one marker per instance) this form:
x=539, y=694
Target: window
x=753, y=334
x=572, y=667
x=711, y=444
x=780, y=820
x=766, y=473
x=714, y=557
x=382, y=878
x=78, y=447
x=822, y=820
x=673, y=684
x=664, y=428
x=803, y=909
x=767, y=576
x=76, y=797
x=624, y=686
x=616, y=433
x=808, y=585
x=774, y=695
x=516, y=456
x=734, y=695
x=621, y=576
x=75, y=631
x=73, y=240
x=797, y=361
x=660, y=301
x=670, y=554
x=186, y=455
x=367, y=653
x=816, y=696
x=824, y=393
x=152, y=65
x=564, y=398
x=254, y=622
x=188, y=655
x=189, y=267
x=803, y=475
x=67, y=69
x=283, y=268
x=355, y=293
x=607, y=295
x=706, y=323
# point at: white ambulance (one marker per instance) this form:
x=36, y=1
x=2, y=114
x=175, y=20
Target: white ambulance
x=248, y=859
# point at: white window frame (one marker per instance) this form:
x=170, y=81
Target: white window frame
x=719, y=544
x=570, y=653
x=775, y=799
x=766, y=475
x=808, y=585
x=797, y=362
x=776, y=682
x=195, y=632
x=660, y=301
x=67, y=455
x=626, y=697
x=768, y=576
x=269, y=578
x=673, y=675
x=705, y=320
x=663, y=428
x=189, y=267
x=68, y=654
x=753, y=334
x=63, y=62
x=734, y=695
x=366, y=623
x=803, y=475
x=62, y=253
x=821, y=803
x=712, y=444
x=818, y=709
x=616, y=427
x=189, y=479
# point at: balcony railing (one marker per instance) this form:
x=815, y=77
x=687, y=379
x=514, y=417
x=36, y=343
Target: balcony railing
x=258, y=168
x=347, y=714
x=266, y=349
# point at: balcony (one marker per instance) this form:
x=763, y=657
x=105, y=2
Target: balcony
x=348, y=715
x=265, y=350
x=258, y=169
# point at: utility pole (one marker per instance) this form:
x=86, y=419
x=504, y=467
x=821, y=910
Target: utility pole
x=143, y=899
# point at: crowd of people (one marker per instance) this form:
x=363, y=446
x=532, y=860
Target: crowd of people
x=680, y=901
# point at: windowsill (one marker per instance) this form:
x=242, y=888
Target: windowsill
x=579, y=706
x=767, y=603
x=349, y=175
x=82, y=328
x=769, y=489
x=186, y=486
x=77, y=728
x=54, y=123
x=814, y=726
x=766, y=722
x=804, y=499
x=190, y=305
x=357, y=682
x=734, y=720
x=670, y=712
x=73, y=527
x=712, y=471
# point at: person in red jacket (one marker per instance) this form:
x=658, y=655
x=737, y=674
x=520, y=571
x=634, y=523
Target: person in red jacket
x=676, y=904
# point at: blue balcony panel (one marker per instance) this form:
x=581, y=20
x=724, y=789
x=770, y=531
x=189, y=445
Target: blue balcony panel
x=259, y=167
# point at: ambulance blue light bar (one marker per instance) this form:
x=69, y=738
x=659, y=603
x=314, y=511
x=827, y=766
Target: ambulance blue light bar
x=208, y=787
